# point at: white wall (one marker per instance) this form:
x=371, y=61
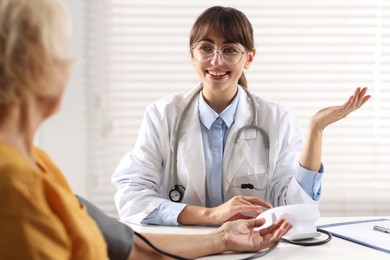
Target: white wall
x=63, y=135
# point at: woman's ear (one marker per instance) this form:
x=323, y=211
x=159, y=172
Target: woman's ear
x=251, y=56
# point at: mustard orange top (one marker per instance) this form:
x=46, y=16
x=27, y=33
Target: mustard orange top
x=40, y=218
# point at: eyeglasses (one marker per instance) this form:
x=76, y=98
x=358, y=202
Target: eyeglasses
x=204, y=52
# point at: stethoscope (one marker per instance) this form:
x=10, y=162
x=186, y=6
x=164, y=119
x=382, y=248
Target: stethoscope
x=176, y=193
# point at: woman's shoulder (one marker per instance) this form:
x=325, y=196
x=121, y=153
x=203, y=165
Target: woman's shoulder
x=14, y=167
x=18, y=182
x=18, y=172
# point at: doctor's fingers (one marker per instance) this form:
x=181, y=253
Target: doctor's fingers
x=247, y=205
x=248, y=200
x=353, y=103
x=251, y=211
x=358, y=99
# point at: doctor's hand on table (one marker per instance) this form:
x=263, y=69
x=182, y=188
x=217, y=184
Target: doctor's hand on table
x=232, y=209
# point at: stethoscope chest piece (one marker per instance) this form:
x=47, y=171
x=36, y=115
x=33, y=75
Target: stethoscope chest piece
x=176, y=193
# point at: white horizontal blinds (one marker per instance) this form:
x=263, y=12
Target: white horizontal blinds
x=310, y=54
x=381, y=160
x=357, y=183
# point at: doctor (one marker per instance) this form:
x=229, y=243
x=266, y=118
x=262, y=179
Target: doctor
x=216, y=152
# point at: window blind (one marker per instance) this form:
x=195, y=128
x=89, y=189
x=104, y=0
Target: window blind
x=310, y=55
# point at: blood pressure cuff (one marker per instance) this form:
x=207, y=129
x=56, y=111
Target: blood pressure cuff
x=118, y=236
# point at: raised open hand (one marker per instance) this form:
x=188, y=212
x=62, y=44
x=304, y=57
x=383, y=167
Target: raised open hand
x=329, y=115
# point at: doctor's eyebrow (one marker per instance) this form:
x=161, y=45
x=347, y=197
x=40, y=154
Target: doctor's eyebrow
x=205, y=39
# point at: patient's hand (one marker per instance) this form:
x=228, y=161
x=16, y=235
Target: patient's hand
x=240, y=236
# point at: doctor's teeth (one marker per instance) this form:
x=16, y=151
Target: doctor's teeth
x=215, y=73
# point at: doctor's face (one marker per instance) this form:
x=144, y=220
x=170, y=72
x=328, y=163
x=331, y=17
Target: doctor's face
x=219, y=63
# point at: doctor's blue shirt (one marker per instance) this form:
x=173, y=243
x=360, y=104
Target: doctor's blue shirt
x=215, y=129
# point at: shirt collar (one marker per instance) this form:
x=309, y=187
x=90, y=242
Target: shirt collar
x=207, y=115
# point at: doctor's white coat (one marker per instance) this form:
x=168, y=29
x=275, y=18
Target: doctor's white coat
x=144, y=176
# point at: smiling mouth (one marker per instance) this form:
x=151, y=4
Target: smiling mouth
x=217, y=73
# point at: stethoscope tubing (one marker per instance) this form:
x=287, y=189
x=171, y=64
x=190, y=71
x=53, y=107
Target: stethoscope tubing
x=253, y=125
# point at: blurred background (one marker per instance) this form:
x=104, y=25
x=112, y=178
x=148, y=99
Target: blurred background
x=310, y=54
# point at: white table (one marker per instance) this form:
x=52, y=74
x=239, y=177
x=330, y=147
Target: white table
x=336, y=249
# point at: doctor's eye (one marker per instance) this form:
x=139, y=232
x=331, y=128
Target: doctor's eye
x=231, y=51
x=206, y=49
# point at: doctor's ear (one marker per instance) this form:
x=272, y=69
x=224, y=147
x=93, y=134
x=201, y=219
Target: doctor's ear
x=251, y=56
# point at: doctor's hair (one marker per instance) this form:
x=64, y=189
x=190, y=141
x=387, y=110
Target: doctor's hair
x=227, y=23
x=33, y=39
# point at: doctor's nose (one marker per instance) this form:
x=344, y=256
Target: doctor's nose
x=217, y=58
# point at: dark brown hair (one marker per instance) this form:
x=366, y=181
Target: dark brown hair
x=227, y=23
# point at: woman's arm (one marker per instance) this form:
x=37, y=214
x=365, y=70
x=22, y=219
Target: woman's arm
x=312, y=149
x=182, y=245
x=235, y=236
x=232, y=236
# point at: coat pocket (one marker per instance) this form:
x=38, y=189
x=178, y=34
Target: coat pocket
x=251, y=177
